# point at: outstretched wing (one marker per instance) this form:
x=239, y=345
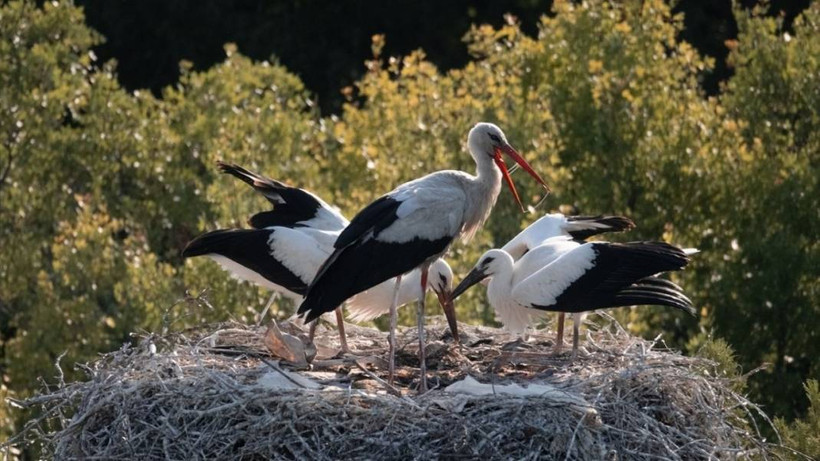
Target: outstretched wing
x=553, y=225
x=292, y=206
x=595, y=275
x=248, y=254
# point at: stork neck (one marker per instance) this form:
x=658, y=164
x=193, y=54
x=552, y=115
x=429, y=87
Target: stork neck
x=486, y=169
x=500, y=286
x=515, y=317
x=483, y=192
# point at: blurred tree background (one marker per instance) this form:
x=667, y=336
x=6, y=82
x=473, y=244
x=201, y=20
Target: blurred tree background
x=704, y=129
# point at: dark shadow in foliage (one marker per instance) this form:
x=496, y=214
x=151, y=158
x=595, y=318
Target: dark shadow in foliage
x=325, y=43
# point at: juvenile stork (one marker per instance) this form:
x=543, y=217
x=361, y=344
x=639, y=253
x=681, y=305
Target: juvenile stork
x=287, y=244
x=412, y=226
x=563, y=275
x=579, y=228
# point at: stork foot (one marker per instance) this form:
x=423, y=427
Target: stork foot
x=579, y=352
x=345, y=351
x=519, y=344
x=423, y=385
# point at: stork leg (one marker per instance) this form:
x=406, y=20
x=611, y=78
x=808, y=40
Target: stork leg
x=312, y=330
x=391, y=339
x=422, y=352
x=273, y=297
x=559, y=339
x=576, y=327
x=340, y=322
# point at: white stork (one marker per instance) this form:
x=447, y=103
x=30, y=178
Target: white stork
x=412, y=226
x=287, y=245
x=548, y=226
x=563, y=275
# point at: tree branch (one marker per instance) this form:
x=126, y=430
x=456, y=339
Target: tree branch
x=6, y=171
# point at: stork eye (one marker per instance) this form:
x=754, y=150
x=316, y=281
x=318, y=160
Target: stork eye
x=495, y=138
x=487, y=261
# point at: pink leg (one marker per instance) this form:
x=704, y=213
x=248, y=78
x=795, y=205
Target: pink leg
x=340, y=322
x=394, y=317
x=576, y=327
x=559, y=340
x=312, y=330
x=422, y=353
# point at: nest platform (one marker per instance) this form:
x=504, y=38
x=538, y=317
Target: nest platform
x=217, y=392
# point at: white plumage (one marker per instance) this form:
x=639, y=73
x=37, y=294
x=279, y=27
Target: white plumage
x=548, y=227
x=301, y=250
x=564, y=264
x=240, y=272
x=429, y=208
x=327, y=218
x=516, y=318
x=563, y=275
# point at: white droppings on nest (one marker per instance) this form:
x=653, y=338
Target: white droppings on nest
x=286, y=380
x=544, y=391
x=217, y=393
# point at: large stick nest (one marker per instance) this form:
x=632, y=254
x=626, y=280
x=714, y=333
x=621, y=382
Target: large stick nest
x=217, y=392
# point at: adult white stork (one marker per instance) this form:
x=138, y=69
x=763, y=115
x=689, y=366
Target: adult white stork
x=287, y=245
x=548, y=226
x=563, y=275
x=412, y=226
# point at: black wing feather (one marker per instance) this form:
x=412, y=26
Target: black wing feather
x=613, y=223
x=290, y=204
x=654, y=290
x=361, y=261
x=373, y=218
x=620, y=267
x=249, y=248
x=361, y=266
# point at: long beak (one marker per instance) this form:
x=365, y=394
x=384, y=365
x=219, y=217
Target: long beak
x=503, y=167
x=448, y=306
x=499, y=161
x=476, y=275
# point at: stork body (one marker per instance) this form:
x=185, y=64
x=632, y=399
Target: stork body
x=578, y=228
x=288, y=244
x=412, y=226
x=375, y=302
x=562, y=275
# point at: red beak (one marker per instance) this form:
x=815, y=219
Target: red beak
x=499, y=161
x=448, y=306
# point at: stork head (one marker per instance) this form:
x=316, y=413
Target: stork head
x=490, y=263
x=487, y=142
x=440, y=280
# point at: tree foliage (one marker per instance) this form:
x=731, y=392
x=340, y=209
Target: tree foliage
x=101, y=188
x=803, y=434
